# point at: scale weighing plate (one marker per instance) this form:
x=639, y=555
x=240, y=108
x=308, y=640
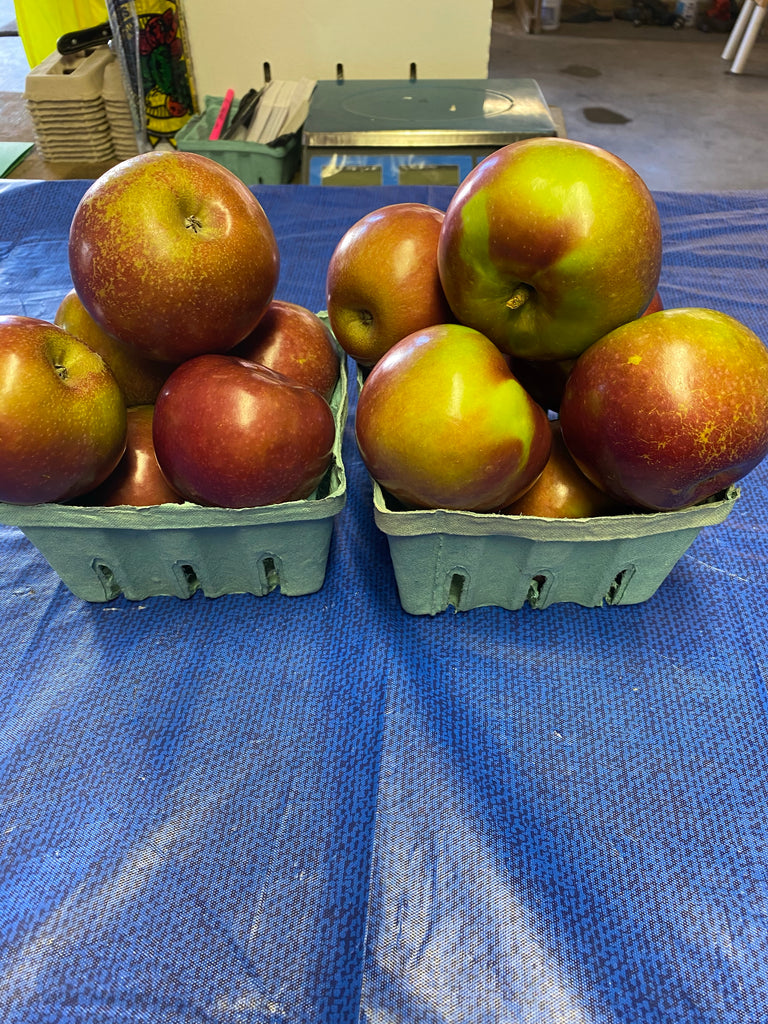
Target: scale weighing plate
x=418, y=131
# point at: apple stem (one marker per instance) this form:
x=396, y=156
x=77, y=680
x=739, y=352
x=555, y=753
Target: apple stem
x=519, y=296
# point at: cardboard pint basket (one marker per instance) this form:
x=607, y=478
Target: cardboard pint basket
x=175, y=550
x=467, y=559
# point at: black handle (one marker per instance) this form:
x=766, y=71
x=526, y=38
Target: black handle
x=84, y=39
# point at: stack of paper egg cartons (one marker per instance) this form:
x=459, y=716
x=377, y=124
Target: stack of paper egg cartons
x=65, y=102
x=119, y=112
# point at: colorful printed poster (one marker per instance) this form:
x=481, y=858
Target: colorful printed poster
x=151, y=39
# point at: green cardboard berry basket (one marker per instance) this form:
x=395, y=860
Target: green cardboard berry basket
x=467, y=560
x=253, y=163
x=175, y=550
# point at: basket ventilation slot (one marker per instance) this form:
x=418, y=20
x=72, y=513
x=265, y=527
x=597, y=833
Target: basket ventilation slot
x=537, y=590
x=271, y=573
x=456, y=589
x=107, y=579
x=619, y=585
x=187, y=577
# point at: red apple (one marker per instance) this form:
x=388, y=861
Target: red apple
x=172, y=253
x=137, y=479
x=562, y=491
x=544, y=382
x=669, y=409
x=547, y=245
x=294, y=341
x=382, y=282
x=62, y=414
x=442, y=423
x=140, y=378
x=232, y=433
x=654, y=305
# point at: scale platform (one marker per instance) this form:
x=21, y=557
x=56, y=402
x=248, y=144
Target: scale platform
x=430, y=132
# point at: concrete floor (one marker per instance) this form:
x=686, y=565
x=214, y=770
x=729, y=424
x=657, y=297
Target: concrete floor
x=662, y=99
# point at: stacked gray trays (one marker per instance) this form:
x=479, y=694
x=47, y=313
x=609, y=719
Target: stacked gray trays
x=72, y=102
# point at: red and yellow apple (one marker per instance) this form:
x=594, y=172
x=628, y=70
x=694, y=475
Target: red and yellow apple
x=668, y=410
x=294, y=341
x=137, y=479
x=442, y=423
x=140, y=378
x=172, y=253
x=562, y=491
x=547, y=245
x=231, y=433
x=382, y=281
x=62, y=414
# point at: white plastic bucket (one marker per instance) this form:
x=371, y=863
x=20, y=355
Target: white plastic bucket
x=549, y=17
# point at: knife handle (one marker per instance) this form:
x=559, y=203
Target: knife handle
x=84, y=39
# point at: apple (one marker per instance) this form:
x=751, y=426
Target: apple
x=231, y=433
x=62, y=414
x=545, y=381
x=140, y=378
x=562, y=491
x=442, y=423
x=669, y=409
x=654, y=305
x=170, y=252
x=547, y=245
x=137, y=479
x=382, y=281
x=294, y=341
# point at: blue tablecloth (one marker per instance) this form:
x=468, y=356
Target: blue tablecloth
x=307, y=810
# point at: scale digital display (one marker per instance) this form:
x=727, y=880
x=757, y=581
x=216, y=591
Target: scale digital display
x=370, y=132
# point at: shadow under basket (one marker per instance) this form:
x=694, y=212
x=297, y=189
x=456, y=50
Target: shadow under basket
x=176, y=550
x=469, y=560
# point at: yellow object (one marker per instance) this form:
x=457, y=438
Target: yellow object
x=42, y=22
x=166, y=79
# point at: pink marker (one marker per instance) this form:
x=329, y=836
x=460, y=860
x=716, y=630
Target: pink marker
x=221, y=120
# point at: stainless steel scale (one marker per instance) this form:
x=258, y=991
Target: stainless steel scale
x=371, y=132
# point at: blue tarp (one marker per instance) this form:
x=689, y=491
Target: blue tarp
x=314, y=810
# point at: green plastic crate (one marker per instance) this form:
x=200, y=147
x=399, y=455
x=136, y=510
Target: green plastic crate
x=253, y=163
x=175, y=550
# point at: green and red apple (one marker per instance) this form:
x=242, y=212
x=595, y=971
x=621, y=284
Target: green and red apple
x=547, y=245
x=670, y=409
x=383, y=283
x=294, y=341
x=442, y=423
x=62, y=414
x=140, y=378
x=545, y=380
x=171, y=253
x=231, y=433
